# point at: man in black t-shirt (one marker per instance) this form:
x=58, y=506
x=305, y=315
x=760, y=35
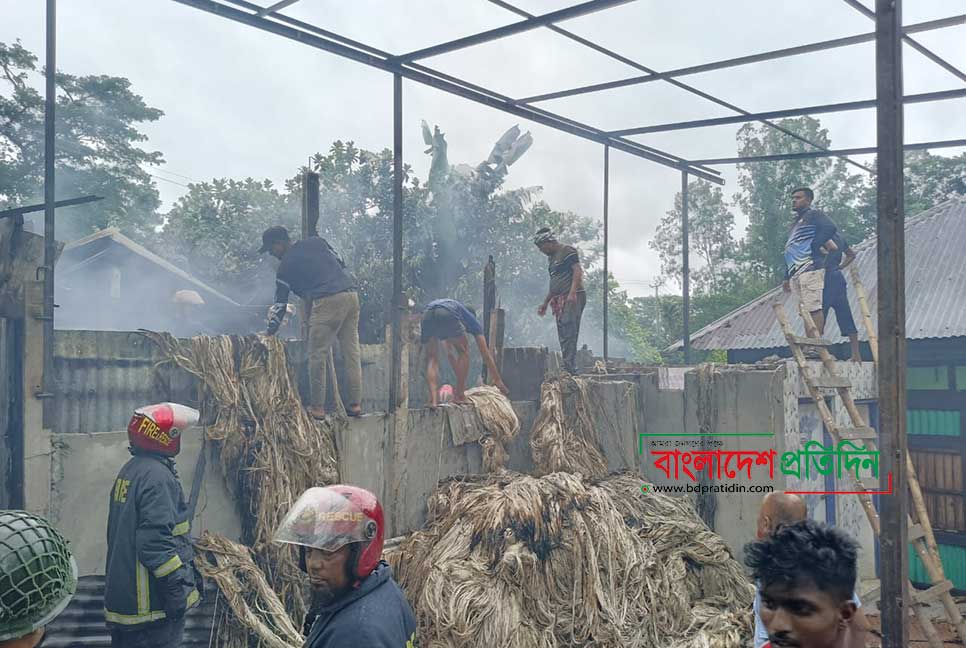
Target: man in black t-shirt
x=835, y=294
x=312, y=270
x=566, y=297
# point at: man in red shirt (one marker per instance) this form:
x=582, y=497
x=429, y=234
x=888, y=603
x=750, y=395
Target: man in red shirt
x=807, y=572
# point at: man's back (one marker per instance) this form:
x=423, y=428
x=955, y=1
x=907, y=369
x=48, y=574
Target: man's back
x=311, y=269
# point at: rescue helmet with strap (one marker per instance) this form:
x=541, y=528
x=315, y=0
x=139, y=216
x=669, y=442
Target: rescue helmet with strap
x=330, y=517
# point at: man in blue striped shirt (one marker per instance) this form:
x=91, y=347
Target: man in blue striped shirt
x=809, y=239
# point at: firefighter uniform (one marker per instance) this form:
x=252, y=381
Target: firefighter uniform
x=150, y=578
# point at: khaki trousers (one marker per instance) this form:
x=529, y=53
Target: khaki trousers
x=335, y=317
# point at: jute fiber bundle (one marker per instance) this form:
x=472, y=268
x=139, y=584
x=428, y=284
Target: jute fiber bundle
x=271, y=450
x=564, y=437
x=248, y=596
x=565, y=560
x=499, y=421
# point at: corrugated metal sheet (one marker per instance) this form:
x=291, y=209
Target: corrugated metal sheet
x=933, y=422
x=104, y=375
x=927, y=378
x=954, y=566
x=82, y=623
x=935, y=289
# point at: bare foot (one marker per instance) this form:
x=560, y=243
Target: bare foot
x=855, y=359
x=354, y=410
x=318, y=413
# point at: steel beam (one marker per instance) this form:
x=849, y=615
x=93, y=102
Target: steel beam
x=836, y=152
x=606, y=244
x=791, y=112
x=432, y=79
x=396, y=303
x=685, y=269
x=27, y=209
x=912, y=42
x=278, y=6
x=536, y=22
x=679, y=84
x=48, y=388
x=891, y=288
x=942, y=23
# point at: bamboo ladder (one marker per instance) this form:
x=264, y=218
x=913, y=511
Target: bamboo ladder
x=861, y=431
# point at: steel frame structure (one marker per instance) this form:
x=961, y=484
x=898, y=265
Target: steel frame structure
x=888, y=35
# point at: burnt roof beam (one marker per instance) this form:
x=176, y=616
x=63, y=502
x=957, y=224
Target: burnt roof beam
x=912, y=42
x=942, y=95
x=919, y=146
x=528, y=24
x=942, y=23
x=430, y=78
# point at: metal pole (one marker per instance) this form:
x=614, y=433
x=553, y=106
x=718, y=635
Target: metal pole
x=685, y=268
x=893, y=541
x=606, y=241
x=50, y=243
x=397, y=233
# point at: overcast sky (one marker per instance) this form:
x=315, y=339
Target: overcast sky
x=240, y=102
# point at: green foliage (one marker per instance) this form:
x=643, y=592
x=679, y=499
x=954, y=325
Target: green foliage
x=98, y=152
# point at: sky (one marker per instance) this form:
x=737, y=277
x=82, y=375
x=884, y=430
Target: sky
x=239, y=102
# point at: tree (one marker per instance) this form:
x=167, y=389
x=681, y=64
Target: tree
x=711, y=242
x=931, y=179
x=214, y=232
x=97, y=143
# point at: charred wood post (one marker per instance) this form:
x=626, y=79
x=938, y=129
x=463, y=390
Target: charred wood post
x=489, y=302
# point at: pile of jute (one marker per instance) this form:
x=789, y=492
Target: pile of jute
x=573, y=557
x=271, y=450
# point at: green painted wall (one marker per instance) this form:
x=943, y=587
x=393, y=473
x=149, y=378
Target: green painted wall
x=919, y=378
x=954, y=565
x=933, y=422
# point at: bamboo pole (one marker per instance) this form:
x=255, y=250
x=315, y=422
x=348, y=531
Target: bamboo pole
x=866, y=313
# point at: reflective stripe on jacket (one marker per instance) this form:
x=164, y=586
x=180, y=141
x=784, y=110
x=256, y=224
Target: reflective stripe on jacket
x=147, y=539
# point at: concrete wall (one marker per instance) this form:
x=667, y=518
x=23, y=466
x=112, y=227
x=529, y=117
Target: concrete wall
x=85, y=466
x=402, y=459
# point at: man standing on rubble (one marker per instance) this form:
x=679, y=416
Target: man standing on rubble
x=312, y=270
x=807, y=572
x=339, y=531
x=566, y=297
x=811, y=231
x=150, y=582
x=779, y=510
x=446, y=321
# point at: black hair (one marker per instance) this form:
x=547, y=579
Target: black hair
x=802, y=552
x=805, y=190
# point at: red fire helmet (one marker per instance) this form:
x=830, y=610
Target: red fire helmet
x=331, y=517
x=158, y=428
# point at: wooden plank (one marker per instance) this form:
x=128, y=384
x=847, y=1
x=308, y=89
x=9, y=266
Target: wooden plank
x=810, y=341
x=857, y=434
x=916, y=532
x=830, y=382
x=935, y=592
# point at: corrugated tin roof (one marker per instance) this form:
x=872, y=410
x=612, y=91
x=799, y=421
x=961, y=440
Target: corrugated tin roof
x=82, y=622
x=114, y=234
x=935, y=289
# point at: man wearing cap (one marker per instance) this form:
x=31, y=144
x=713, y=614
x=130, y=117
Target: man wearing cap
x=566, y=297
x=312, y=270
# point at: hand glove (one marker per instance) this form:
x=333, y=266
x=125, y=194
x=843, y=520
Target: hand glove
x=173, y=597
x=276, y=313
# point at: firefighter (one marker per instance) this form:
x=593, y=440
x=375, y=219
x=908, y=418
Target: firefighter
x=38, y=578
x=355, y=601
x=150, y=578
